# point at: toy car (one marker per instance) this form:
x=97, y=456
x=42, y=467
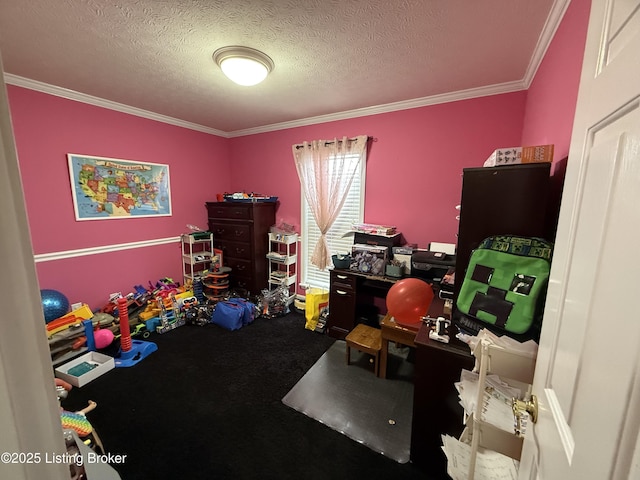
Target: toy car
x=141, y=329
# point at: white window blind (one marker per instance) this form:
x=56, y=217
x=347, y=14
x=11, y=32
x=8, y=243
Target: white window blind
x=352, y=212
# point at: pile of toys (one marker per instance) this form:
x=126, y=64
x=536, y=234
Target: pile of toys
x=67, y=334
x=85, y=345
x=163, y=310
x=153, y=309
x=158, y=308
x=274, y=303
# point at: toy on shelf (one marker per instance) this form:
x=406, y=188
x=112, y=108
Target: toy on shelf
x=74, y=317
x=75, y=339
x=283, y=261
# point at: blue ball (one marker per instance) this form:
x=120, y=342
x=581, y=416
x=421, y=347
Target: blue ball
x=54, y=304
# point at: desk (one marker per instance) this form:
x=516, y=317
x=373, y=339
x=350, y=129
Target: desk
x=436, y=407
x=394, y=332
x=350, y=294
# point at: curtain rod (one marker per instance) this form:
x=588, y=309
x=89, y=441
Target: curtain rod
x=339, y=141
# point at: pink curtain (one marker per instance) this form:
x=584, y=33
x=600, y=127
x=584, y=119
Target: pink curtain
x=326, y=169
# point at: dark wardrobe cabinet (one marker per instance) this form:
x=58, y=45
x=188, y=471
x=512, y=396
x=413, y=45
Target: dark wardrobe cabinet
x=506, y=200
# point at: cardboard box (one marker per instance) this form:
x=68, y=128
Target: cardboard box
x=515, y=155
x=98, y=362
x=371, y=259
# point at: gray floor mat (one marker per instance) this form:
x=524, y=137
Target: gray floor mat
x=353, y=401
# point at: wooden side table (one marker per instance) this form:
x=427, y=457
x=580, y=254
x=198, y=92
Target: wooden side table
x=365, y=339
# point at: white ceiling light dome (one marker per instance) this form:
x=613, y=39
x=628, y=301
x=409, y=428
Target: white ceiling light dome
x=243, y=65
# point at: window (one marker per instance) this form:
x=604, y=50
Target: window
x=352, y=212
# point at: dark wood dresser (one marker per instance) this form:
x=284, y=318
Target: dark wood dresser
x=240, y=231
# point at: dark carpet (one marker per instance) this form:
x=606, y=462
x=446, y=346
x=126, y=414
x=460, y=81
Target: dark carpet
x=207, y=405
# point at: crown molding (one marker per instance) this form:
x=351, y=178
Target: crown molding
x=388, y=107
x=359, y=112
x=100, y=102
x=556, y=15
x=546, y=36
x=82, y=252
x=558, y=9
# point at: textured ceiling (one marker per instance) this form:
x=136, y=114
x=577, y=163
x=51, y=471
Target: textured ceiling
x=331, y=56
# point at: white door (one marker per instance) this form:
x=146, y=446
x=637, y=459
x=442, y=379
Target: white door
x=587, y=376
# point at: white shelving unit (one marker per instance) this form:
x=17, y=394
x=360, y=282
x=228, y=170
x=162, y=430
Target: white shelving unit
x=515, y=369
x=197, y=253
x=283, y=262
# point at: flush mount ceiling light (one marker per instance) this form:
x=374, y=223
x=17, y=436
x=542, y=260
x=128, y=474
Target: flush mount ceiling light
x=243, y=65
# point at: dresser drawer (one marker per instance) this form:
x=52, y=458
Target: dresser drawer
x=342, y=299
x=238, y=266
x=342, y=280
x=227, y=211
x=230, y=231
x=239, y=250
x=342, y=311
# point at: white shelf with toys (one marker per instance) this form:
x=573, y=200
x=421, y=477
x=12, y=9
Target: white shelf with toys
x=283, y=261
x=197, y=254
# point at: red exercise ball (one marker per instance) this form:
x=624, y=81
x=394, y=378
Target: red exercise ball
x=408, y=300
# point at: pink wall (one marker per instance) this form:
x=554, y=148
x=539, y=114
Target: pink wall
x=46, y=128
x=551, y=98
x=413, y=167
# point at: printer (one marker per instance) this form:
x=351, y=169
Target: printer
x=431, y=266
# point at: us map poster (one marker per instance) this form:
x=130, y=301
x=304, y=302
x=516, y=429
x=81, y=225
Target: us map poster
x=109, y=188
